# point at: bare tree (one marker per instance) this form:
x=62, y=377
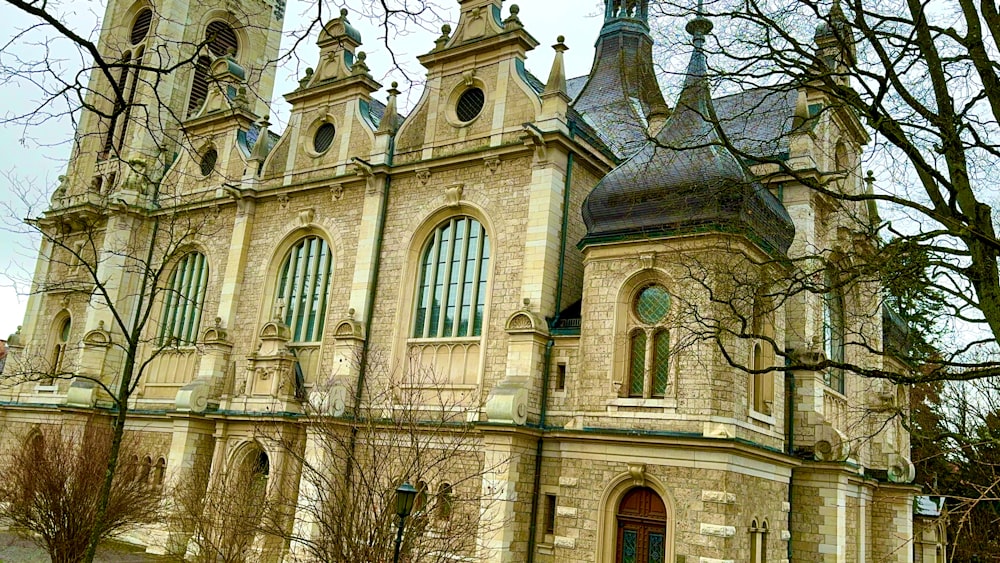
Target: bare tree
x=52, y=482
x=402, y=432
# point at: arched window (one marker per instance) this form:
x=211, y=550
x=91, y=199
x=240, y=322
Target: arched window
x=185, y=295
x=649, y=343
x=758, y=541
x=445, y=501
x=159, y=472
x=145, y=470
x=220, y=39
x=451, y=298
x=303, y=286
x=833, y=333
x=642, y=527
x=61, y=343
x=761, y=385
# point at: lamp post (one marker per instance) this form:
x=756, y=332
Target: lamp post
x=405, y=495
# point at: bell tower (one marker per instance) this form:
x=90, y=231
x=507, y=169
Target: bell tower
x=154, y=75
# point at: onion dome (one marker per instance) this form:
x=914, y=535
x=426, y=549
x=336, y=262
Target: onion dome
x=686, y=180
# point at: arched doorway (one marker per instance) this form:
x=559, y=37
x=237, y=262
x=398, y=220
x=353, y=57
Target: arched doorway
x=642, y=525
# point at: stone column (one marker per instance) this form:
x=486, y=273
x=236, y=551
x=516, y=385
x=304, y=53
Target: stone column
x=505, y=508
x=819, y=512
x=892, y=523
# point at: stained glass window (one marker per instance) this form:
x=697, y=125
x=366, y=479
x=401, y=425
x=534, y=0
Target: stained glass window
x=637, y=371
x=652, y=304
x=656, y=549
x=661, y=355
x=451, y=299
x=183, y=300
x=630, y=546
x=303, y=285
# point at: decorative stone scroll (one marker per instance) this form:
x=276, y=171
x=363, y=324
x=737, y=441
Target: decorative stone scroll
x=98, y=337
x=901, y=469
x=831, y=444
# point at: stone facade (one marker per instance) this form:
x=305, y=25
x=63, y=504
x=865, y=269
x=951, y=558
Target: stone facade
x=777, y=466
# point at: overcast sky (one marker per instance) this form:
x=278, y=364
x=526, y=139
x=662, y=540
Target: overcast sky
x=36, y=156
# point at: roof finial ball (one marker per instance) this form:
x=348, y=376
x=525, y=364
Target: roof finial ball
x=700, y=26
x=626, y=9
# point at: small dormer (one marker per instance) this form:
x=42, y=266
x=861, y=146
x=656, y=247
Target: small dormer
x=333, y=114
x=477, y=86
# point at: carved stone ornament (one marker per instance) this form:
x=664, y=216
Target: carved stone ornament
x=453, y=194
x=525, y=321
x=901, y=469
x=193, y=397
x=647, y=261
x=215, y=334
x=423, y=176
x=349, y=329
x=532, y=139
x=283, y=201
x=98, y=337
x=831, y=444
x=337, y=192
x=469, y=77
x=492, y=163
x=307, y=215
x=638, y=473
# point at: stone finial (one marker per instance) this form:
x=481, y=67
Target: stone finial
x=442, y=41
x=388, y=125
x=260, y=148
x=360, y=66
x=512, y=21
x=556, y=84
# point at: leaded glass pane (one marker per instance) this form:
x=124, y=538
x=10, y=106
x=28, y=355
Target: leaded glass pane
x=183, y=300
x=661, y=362
x=637, y=364
x=630, y=547
x=303, y=286
x=452, y=295
x=653, y=304
x=656, y=549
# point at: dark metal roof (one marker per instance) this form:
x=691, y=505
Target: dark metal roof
x=686, y=179
x=621, y=90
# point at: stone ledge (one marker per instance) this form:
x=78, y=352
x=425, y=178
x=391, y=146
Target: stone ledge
x=719, y=531
x=720, y=497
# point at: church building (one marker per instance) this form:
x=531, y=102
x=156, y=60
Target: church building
x=632, y=301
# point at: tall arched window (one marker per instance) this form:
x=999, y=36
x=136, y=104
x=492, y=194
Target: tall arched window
x=649, y=343
x=451, y=298
x=761, y=385
x=642, y=527
x=127, y=84
x=303, y=286
x=220, y=39
x=60, y=344
x=758, y=541
x=185, y=297
x=833, y=333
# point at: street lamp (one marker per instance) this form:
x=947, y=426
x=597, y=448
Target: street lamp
x=405, y=495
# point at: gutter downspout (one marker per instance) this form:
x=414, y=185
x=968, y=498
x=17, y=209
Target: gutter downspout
x=547, y=361
x=789, y=440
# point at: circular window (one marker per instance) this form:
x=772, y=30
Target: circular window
x=470, y=103
x=141, y=26
x=324, y=137
x=208, y=161
x=652, y=305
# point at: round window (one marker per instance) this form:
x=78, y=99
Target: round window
x=470, y=103
x=653, y=304
x=324, y=137
x=208, y=161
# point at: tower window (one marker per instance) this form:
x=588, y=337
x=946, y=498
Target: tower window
x=324, y=137
x=647, y=370
x=470, y=104
x=141, y=26
x=221, y=39
x=833, y=333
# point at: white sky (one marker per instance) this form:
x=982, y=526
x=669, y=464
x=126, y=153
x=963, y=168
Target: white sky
x=36, y=156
